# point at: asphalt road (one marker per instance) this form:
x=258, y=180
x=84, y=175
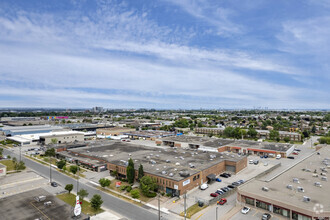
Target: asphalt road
x=123, y=208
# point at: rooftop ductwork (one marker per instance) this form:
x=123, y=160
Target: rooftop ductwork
x=295, y=180
x=300, y=189
x=306, y=199
x=323, y=178
x=266, y=189
x=289, y=187
x=318, y=184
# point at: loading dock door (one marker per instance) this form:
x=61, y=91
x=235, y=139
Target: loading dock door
x=231, y=168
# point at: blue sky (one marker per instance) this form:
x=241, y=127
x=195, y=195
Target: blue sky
x=165, y=54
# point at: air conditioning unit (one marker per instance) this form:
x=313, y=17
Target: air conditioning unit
x=265, y=189
x=300, y=189
x=306, y=199
x=295, y=180
x=289, y=187
x=318, y=184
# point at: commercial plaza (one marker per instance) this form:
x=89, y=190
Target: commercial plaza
x=302, y=192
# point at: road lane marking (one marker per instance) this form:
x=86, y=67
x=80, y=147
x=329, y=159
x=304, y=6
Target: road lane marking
x=199, y=216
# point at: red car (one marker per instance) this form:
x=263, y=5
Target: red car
x=214, y=194
x=222, y=201
x=295, y=153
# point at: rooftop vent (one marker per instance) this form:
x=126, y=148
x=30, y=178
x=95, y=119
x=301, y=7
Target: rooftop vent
x=178, y=164
x=171, y=174
x=295, y=180
x=265, y=189
x=323, y=174
x=308, y=170
x=129, y=154
x=306, y=199
x=315, y=175
x=157, y=155
x=164, y=167
x=318, y=184
x=300, y=189
x=192, y=166
x=289, y=187
x=164, y=172
x=152, y=162
x=168, y=161
x=157, y=169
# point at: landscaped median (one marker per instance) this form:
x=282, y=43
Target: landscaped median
x=85, y=206
x=193, y=210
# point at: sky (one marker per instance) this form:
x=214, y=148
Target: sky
x=165, y=54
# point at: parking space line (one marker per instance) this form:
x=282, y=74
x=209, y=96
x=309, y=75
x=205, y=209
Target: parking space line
x=39, y=210
x=199, y=216
x=255, y=213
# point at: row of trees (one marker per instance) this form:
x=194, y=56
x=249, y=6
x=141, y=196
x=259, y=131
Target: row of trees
x=238, y=133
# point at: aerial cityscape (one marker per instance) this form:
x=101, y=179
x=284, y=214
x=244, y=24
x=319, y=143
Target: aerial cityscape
x=164, y=109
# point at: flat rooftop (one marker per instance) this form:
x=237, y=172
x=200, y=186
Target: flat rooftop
x=219, y=142
x=304, y=171
x=150, y=133
x=61, y=134
x=23, y=206
x=156, y=160
x=73, y=156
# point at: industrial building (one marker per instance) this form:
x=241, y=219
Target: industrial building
x=21, y=130
x=301, y=192
x=174, y=170
x=149, y=134
x=222, y=145
x=113, y=131
x=293, y=136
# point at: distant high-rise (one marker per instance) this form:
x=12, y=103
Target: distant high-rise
x=97, y=109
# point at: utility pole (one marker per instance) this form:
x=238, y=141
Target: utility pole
x=158, y=206
x=78, y=177
x=50, y=169
x=185, y=203
x=20, y=152
x=216, y=213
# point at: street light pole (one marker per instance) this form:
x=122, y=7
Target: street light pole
x=78, y=178
x=20, y=152
x=216, y=213
x=185, y=202
x=50, y=170
x=158, y=206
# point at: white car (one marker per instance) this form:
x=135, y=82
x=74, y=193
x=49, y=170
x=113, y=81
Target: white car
x=250, y=161
x=204, y=186
x=278, y=156
x=245, y=210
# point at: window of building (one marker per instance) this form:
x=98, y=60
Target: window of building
x=249, y=201
x=296, y=216
x=262, y=205
x=198, y=176
x=281, y=211
x=194, y=178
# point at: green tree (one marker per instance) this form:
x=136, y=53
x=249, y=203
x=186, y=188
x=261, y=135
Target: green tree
x=141, y=172
x=148, y=186
x=228, y=131
x=82, y=194
x=104, y=182
x=313, y=129
x=242, y=133
x=130, y=171
x=273, y=135
x=135, y=193
x=286, y=139
x=181, y=123
x=60, y=164
x=54, y=141
x=69, y=187
x=96, y=202
x=14, y=160
x=1, y=152
x=73, y=169
x=252, y=133
x=50, y=152
x=20, y=165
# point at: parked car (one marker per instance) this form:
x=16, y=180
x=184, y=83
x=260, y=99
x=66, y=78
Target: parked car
x=256, y=162
x=290, y=157
x=224, y=189
x=266, y=216
x=214, y=194
x=225, y=175
x=296, y=149
x=265, y=163
x=227, y=188
x=235, y=183
x=222, y=201
x=265, y=156
x=245, y=210
x=220, y=192
x=231, y=186
x=295, y=153
x=278, y=156
x=204, y=186
x=250, y=161
x=218, y=179
x=241, y=181
x=53, y=184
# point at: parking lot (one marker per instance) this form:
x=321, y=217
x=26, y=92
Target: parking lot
x=251, y=215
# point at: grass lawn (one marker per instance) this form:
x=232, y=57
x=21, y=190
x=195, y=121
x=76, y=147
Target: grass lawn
x=193, y=210
x=85, y=206
x=9, y=163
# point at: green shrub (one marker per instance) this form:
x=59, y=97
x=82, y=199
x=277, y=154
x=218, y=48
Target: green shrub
x=123, y=188
x=135, y=193
x=128, y=188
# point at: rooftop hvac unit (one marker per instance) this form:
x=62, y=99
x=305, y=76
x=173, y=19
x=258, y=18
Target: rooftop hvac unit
x=157, y=169
x=168, y=161
x=129, y=154
x=295, y=180
x=289, y=187
x=306, y=199
x=324, y=178
x=265, y=189
x=164, y=172
x=157, y=155
x=192, y=166
x=171, y=174
x=318, y=184
x=178, y=164
x=300, y=189
x=308, y=170
x=184, y=173
x=323, y=174
x=315, y=175
x=164, y=167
